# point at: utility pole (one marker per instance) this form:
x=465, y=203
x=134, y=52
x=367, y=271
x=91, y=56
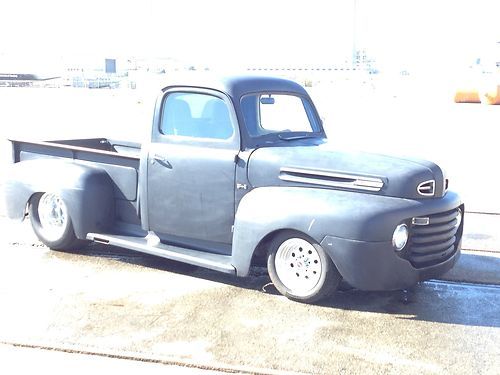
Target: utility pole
x=354, y=33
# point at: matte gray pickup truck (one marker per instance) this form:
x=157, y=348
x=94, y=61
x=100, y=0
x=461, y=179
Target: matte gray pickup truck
x=237, y=172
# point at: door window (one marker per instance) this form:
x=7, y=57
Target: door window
x=196, y=115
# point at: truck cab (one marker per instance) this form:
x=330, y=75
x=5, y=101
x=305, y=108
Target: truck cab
x=238, y=172
x=198, y=155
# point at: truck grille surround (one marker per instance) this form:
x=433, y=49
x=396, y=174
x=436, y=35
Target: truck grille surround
x=435, y=242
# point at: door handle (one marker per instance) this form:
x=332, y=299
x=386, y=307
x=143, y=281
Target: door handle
x=160, y=158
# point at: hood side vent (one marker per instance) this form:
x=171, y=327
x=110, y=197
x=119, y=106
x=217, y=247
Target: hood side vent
x=331, y=179
x=427, y=188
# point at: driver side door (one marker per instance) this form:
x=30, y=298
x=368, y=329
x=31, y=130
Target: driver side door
x=191, y=170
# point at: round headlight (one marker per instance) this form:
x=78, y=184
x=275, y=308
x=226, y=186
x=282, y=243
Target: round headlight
x=459, y=218
x=400, y=237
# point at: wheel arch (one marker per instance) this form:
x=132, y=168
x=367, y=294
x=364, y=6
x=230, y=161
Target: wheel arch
x=260, y=252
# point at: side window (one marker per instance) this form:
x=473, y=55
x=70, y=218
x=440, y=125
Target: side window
x=196, y=115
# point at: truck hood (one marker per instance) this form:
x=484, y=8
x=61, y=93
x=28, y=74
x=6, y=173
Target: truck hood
x=323, y=167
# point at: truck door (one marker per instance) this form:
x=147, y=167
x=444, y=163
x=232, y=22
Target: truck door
x=191, y=167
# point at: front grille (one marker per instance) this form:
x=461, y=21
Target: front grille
x=435, y=242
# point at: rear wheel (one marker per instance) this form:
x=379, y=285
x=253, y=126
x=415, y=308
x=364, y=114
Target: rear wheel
x=300, y=269
x=51, y=222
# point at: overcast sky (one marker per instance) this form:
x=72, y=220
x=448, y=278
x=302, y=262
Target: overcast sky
x=423, y=34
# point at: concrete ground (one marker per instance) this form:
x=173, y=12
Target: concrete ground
x=107, y=301
x=480, y=260
x=24, y=360
x=105, y=306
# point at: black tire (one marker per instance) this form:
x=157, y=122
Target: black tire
x=300, y=269
x=56, y=237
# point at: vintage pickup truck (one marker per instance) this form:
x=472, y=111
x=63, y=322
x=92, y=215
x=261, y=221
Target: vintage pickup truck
x=237, y=172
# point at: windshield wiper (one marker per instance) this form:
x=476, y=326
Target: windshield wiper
x=294, y=137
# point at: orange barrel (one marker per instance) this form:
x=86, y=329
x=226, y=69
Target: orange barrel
x=467, y=95
x=491, y=96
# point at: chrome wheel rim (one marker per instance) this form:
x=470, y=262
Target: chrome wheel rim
x=53, y=215
x=298, y=266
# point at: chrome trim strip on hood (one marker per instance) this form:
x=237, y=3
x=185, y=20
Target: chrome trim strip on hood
x=331, y=179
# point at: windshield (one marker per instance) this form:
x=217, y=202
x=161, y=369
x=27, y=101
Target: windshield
x=269, y=113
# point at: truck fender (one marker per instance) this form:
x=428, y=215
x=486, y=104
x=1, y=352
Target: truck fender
x=266, y=210
x=86, y=190
x=319, y=213
x=315, y=212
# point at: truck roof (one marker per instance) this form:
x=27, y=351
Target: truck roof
x=236, y=86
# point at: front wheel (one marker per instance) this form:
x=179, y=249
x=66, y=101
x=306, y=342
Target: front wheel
x=51, y=222
x=300, y=269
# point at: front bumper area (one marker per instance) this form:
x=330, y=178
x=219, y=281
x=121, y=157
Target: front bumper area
x=375, y=266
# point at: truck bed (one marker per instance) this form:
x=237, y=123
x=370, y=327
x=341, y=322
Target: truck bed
x=120, y=159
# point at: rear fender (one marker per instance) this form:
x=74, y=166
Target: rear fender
x=87, y=191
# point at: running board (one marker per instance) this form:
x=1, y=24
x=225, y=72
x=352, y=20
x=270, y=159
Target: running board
x=217, y=262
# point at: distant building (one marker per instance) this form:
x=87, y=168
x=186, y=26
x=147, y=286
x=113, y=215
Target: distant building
x=110, y=66
x=27, y=80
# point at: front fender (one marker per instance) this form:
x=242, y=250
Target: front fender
x=86, y=190
x=320, y=213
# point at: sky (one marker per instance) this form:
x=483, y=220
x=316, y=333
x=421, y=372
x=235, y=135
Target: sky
x=263, y=33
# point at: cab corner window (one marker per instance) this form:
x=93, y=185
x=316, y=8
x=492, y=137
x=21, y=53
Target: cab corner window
x=196, y=115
